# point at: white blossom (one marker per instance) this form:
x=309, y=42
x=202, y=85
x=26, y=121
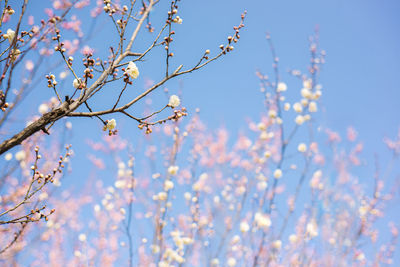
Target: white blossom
x=8, y=157
x=82, y=237
x=68, y=125
x=306, y=93
x=302, y=147
x=168, y=185
x=14, y=54
x=97, y=208
x=162, y=196
x=174, y=101
x=43, y=108
x=317, y=94
x=76, y=83
x=277, y=244
x=278, y=173
x=307, y=83
x=173, y=169
x=360, y=257
x=244, y=227
x=63, y=75
x=120, y=184
x=297, y=107
x=111, y=124
x=132, y=70
x=187, y=196
x=10, y=35
x=231, y=262
x=299, y=119
x=272, y=113
x=312, y=229
x=312, y=107
x=20, y=155
x=262, y=185
x=262, y=220
x=155, y=249
x=293, y=238
x=281, y=87
x=178, y=20
x=262, y=126
x=267, y=154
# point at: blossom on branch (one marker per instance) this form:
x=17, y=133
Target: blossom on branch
x=111, y=124
x=173, y=169
x=278, y=173
x=14, y=54
x=76, y=83
x=132, y=70
x=178, y=20
x=281, y=87
x=9, y=35
x=174, y=101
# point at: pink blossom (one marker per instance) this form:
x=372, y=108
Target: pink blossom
x=333, y=137
x=97, y=162
x=82, y=4
x=351, y=134
x=31, y=20
x=49, y=12
x=86, y=50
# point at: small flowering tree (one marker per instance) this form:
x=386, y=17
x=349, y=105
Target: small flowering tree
x=87, y=86
x=27, y=47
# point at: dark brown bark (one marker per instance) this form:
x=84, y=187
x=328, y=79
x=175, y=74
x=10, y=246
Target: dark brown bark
x=35, y=127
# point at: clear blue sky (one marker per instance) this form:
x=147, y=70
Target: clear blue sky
x=359, y=79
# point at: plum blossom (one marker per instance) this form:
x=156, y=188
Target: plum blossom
x=10, y=35
x=299, y=120
x=312, y=107
x=174, y=101
x=302, y=147
x=29, y=65
x=172, y=170
x=82, y=237
x=132, y=70
x=297, y=107
x=14, y=54
x=111, y=124
x=244, y=227
x=231, y=262
x=178, y=20
x=277, y=244
x=168, y=185
x=20, y=155
x=281, y=87
x=262, y=220
x=272, y=113
x=43, y=108
x=278, y=173
x=8, y=156
x=76, y=83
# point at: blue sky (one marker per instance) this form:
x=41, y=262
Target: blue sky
x=359, y=78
